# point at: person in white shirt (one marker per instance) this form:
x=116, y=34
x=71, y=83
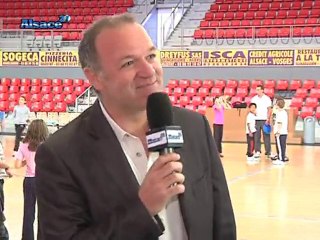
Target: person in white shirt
x=263, y=115
x=251, y=130
x=281, y=132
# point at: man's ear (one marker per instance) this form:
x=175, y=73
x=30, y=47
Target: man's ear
x=93, y=77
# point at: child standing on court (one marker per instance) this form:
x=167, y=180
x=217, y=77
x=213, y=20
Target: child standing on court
x=220, y=104
x=37, y=133
x=281, y=132
x=251, y=131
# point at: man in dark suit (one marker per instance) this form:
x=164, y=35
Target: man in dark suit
x=95, y=177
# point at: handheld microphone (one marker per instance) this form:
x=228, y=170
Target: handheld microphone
x=163, y=137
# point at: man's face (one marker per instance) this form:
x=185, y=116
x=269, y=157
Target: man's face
x=22, y=101
x=130, y=71
x=259, y=91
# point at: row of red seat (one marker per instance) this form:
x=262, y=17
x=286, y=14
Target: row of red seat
x=280, y=84
x=263, y=32
x=6, y=81
x=258, y=22
x=31, y=13
x=36, y=106
x=299, y=102
x=254, y=1
x=264, y=6
x=43, y=90
x=64, y=4
x=281, y=14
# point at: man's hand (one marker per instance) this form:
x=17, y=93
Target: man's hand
x=8, y=172
x=163, y=181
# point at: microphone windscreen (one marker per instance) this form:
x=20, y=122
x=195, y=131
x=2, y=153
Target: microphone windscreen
x=159, y=110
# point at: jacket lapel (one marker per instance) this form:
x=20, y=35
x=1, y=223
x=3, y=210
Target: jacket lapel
x=108, y=152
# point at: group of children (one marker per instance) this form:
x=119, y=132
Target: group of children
x=37, y=133
x=280, y=130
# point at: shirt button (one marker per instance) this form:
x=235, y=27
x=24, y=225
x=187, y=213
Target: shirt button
x=138, y=154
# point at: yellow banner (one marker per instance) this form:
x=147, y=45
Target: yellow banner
x=181, y=58
x=0, y=58
x=307, y=57
x=13, y=58
x=59, y=58
x=225, y=58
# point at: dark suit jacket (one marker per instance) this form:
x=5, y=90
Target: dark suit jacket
x=87, y=190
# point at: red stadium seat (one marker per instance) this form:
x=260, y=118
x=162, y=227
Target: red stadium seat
x=57, y=89
x=24, y=89
x=25, y=82
x=269, y=92
x=229, y=91
x=48, y=107
x=253, y=92
x=242, y=92
x=306, y=112
x=14, y=97
x=270, y=83
x=256, y=82
x=209, y=101
x=70, y=98
x=56, y=82
x=190, y=92
x=296, y=102
x=167, y=90
x=235, y=99
x=244, y=83
x=282, y=84
x=4, y=89
x=36, y=82
x=47, y=97
x=46, y=82
x=36, y=107
x=318, y=112
x=191, y=107
x=46, y=89
x=35, y=89
x=79, y=90
x=308, y=84
x=13, y=89
x=220, y=83
x=301, y=92
x=247, y=100
x=36, y=97
x=315, y=92
x=67, y=82
x=68, y=90
x=184, y=83
x=203, y=92
x=208, y=84
x=295, y=84
x=58, y=98
x=173, y=83
x=197, y=100
x=312, y=102
x=196, y=83
x=202, y=109
x=216, y=92
x=173, y=99
x=15, y=82
x=77, y=82
x=3, y=97
x=4, y=106
x=12, y=105
x=184, y=100
x=178, y=91
x=231, y=83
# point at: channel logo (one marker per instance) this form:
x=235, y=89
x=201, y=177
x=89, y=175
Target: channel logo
x=32, y=24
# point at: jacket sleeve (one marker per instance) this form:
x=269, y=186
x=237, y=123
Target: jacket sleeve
x=224, y=226
x=64, y=213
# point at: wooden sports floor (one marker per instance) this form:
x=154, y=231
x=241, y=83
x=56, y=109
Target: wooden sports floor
x=270, y=202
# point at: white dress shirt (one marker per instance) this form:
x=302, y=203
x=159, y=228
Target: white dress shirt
x=140, y=164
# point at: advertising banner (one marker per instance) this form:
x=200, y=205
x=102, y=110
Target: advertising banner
x=307, y=57
x=14, y=58
x=225, y=58
x=59, y=58
x=181, y=58
x=271, y=57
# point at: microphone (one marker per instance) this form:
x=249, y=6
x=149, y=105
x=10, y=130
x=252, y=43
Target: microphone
x=162, y=137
